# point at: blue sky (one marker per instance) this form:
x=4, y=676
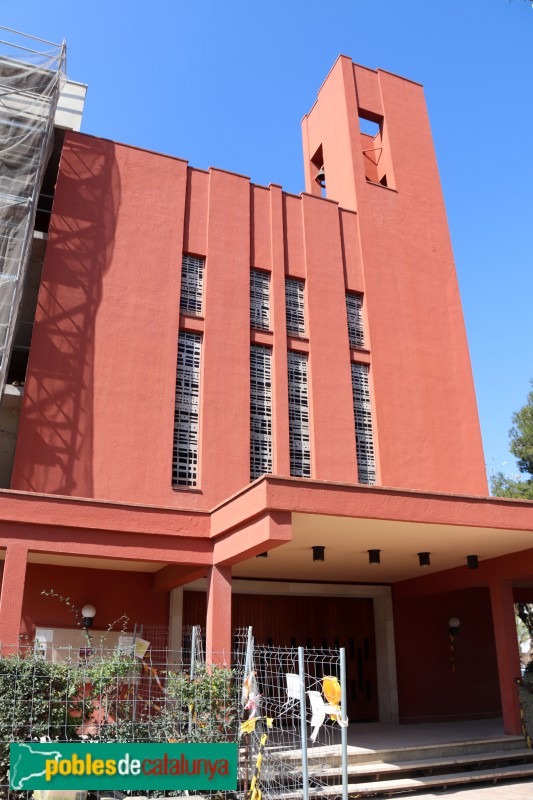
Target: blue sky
x=226, y=84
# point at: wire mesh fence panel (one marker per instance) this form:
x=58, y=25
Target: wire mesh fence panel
x=127, y=695
x=243, y=646
x=95, y=695
x=186, y=643
x=298, y=708
x=157, y=635
x=192, y=647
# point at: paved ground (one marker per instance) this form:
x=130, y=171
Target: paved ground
x=378, y=736
x=500, y=791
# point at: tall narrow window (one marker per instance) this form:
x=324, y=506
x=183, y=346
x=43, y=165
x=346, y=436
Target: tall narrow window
x=192, y=285
x=364, y=437
x=259, y=300
x=354, y=310
x=186, y=415
x=260, y=411
x=300, y=448
x=294, y=302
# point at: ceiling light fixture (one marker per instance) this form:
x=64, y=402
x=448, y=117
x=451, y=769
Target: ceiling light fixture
x=318, y=552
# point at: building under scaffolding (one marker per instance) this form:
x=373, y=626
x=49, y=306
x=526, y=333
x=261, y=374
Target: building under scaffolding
x=36, y=104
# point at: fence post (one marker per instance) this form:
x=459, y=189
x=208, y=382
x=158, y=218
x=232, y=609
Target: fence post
x=134, y=681
x=303, y=724
x=344, y=729
x=191, y=670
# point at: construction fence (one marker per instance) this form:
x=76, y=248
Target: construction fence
x=285, y=707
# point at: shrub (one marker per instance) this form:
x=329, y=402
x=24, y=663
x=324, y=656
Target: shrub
x=212, y=698
x=110, y=697
x=38, y=699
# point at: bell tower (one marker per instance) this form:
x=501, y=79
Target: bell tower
x=367, y=145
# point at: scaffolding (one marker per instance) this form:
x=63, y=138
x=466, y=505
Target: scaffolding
x=32, y=72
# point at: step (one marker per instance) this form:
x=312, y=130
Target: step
x=414, y=784
x=376, y=769
x=359, y=755
x=453, y=779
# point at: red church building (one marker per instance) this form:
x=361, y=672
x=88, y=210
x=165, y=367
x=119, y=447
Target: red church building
x=246, y=407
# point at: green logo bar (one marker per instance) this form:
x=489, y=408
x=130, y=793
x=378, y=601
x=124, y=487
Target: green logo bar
x=123, y=766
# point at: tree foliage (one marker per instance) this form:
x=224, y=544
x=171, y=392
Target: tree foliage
x=504, y=486
x=521, y=435
x=524, y=627
x=521, y=446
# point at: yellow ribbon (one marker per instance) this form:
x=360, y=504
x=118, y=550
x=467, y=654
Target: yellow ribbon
x=248, y=725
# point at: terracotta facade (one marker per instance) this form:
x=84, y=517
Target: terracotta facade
x=92, y=478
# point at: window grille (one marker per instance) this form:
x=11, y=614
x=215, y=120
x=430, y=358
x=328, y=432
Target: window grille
x=300, y=448
x=294, y=302
x=186, y=415
x=259, y=300
x=364, y=437
x=260, y=411
x=354, y=310
x=192, y=285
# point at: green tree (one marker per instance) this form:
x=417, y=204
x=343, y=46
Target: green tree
x=521, y=446
x=524, y=630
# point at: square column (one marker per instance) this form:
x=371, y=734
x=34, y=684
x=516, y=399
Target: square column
x=503, y=617
x=175, y=624
x=12, y=594
x=218, y=622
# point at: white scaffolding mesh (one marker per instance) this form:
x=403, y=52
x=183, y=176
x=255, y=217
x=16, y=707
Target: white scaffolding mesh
x=260, y=411
x=364, y=436
x=299, y=441
x=31, y=76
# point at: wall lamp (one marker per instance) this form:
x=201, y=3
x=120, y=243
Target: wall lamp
x=374, y=556
x=472, y=562
x=88, y=613
x=318, y=552
x=424, y=559
x=454, y=623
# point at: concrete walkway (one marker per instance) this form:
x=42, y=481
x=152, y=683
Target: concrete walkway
x=373, y=736
x=500, y=791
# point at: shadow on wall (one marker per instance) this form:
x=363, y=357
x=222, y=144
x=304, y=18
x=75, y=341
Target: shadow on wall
x=55, y=445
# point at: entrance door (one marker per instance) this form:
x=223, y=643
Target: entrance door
x=310, y=622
